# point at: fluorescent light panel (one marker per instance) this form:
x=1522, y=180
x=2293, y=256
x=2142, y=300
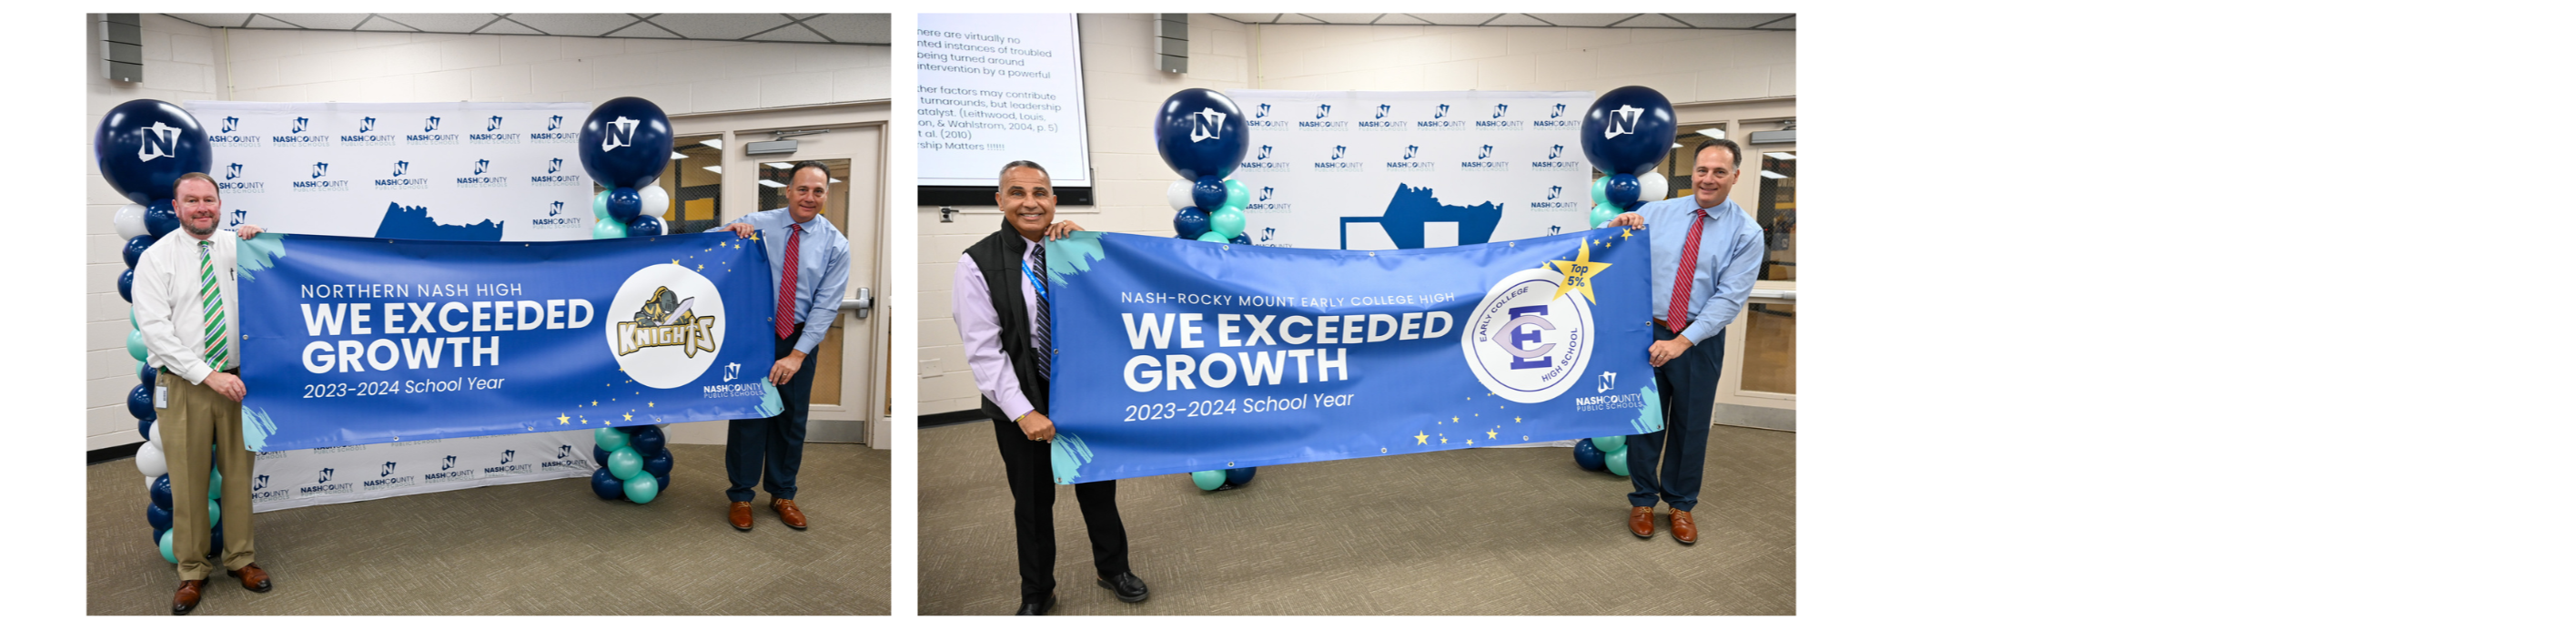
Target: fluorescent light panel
x=772, y=184
x=714, y=143
x=718, y=168
x=777, y=165
x=1713, y=132
x=1780, y=155
x=1767, y=173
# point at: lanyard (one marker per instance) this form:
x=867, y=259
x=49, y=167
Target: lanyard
x=1034, y=280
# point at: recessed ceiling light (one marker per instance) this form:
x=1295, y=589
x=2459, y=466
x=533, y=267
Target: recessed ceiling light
x=718, y=168
x=1767, y=173
x=1713, y=132
x=1780, y=155
x=1677, y=145
x=777, y=165
x=836, y=180
x=771, y=184
x=679, y=156
x=714, y=143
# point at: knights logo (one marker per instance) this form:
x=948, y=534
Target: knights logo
x=666, y=319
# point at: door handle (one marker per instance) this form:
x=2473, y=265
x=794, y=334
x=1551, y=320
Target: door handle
x=862, y=303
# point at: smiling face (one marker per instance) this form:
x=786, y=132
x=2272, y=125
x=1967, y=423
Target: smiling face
x=806, y=192
x=1712, y=175
x=1027, y=199
x=198, y=207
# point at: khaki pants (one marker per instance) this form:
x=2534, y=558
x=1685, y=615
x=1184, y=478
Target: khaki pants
x=197, y=417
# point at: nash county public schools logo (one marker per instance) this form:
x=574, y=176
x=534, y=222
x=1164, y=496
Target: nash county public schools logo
x=1381, y=110
x=298, y=127
x=320, y=169
x=495, y=124
x=1530, y=338
x=159, y=141
x=231, y=123
x=553, y=122
x=1207, y=124
x=429, y=125
x=620, y=133
x=667, y=299
x=1623, y=121
x=232, y=171
x=551, y=165
x=1261, y=111
x=1499, y=108
x=1557, y=112
x=367, y=124
x=1322, y=110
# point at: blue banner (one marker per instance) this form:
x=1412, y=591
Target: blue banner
x=1175, y=356
x=352, y=341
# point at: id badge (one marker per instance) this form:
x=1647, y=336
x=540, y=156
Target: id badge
x=161, y=397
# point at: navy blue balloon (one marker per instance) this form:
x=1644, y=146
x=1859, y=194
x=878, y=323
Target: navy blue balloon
x=215, y=544
x=1200, y=133
x=156, y=536
x=1634, y=205
x=658, y=464
x=161, y=491
x=644, y=226
x=649, y=442
x=1208, y=191
x=1190, y=222
x=125, y=285
x=606, y=485
x=160, y=517
x=143, y=145
x=598, y=456
x=662, y=481
x=147, y=373
x=139, y=403
x=1588, y=456
x=1240, y=240
x=159, y=219
x=1624, y=188
x=134, y=248
x=627, y=153
x=143, y=427
x=1628, y=130
x=1239, y=477
x=624, y=204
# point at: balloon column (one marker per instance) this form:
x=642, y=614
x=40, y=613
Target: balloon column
x=1201, y=135
x=635, y=463
x=1607, y=453
x=624, y=145
x=1222, y=479
x=142, y=146
x=1626, y=134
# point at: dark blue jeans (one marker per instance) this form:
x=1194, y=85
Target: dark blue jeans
x=1665, y=466
x=774, y=446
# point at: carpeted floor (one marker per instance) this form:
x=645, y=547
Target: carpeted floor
x=539, y=548
x=1470, y=532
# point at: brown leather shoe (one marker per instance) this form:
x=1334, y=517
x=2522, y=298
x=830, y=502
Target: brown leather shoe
x=740, y=515
x=787, y=513
x=186, y=600
x=252, y=577
x=1683, y=530
x=1641, y=521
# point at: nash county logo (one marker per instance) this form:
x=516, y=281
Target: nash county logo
x=232, y=171
x=1552, y=192
x=1264, y=154
x=1338, y=149
x=401, y=167
x=619, y=133
x=1265, y=193
x=1532, y=335
x=1558, y=112
x=494, y=125
x=667, y=344
x=429, y=125
x=1442, y=112
x=239, y=217
x=298, y=127
x=367, y=124
x=1382, y=108
x=482, y=165
x=320, y=169
x=1207, y=124
x=1499, y=108
x=554, y=165
x=1322, y=110
x=231, y=123
x=159, y=141
x=1623, y=121
x=555, y=210
x=1261, y=111
x=554, y=122
x=1409, y=151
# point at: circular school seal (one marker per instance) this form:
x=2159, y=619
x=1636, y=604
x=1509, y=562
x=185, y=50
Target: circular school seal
x=665, y=325
x=1530, y=338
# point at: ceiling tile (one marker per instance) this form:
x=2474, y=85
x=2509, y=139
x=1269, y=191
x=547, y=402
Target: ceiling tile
x=506, y=27
x=262, y=21
x=1250, y=18
x=1344, y=18
x=379, y=23
x=789, y=34
x=584, y=24
x=212, y=20
x=1516, y=19
x=856, y=28
x=443, y=22
x=321, y=21
x=1295, y=18
x=1726, y=20
x=1455, y=19
x=1652, y=20
x=718, y=25
x=644, y=30
x=1582, y=19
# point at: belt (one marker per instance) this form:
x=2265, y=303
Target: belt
x=234, y=371
x=1659, y=323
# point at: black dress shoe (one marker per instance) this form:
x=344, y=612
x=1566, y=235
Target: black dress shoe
x=1129, y=588
x=1037, y=608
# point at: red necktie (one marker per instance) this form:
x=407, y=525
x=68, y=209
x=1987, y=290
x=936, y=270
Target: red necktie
x=787, y=283
x=1680, y=304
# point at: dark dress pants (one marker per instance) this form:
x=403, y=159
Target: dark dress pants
x=1029, y=465
x=1665, y=466
x=774, y=446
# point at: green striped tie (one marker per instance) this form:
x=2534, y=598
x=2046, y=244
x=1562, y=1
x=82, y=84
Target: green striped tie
x=216, y=348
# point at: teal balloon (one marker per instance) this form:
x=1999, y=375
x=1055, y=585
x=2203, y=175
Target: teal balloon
x=214, y=513
x=136, y=322
x=1208, y=480
x=1602, y=214
x=1610, y=443
x=640, y=487
x=134, y=345
x=1617, y=461
x=607, y=230
x=624, y=463
x=166, y=555
x=609, y=439
x=599, y=205
x=1213, y=237
x=215, y=489
x=1236, y=194
x=1601, y=190
x=1227, y=220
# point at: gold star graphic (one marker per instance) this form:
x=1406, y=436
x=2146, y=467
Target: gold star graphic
x=648, y=404
x=630, y=417
x=1421, y=439
x=563, y=420
x=1444, y=441
x=1578, y=274
x=702, y=267
x=1490, y=433
x=594, y=404
x=1624, y=233
x=1471, y=442
x=1453, y=419
x=675, y=261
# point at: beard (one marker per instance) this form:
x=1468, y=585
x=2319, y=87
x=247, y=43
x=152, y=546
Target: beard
x=209, y=231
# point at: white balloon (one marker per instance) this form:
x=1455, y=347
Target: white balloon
x=1179, y=195
x=1650, y=187
x=657, y=202
x=156, y=435
x=150, y=460
x=129, y=221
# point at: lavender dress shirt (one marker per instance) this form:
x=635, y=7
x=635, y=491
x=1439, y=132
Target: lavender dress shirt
x=971, y=305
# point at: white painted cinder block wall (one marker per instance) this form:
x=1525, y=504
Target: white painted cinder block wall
x=1122, y=87
x=184, y=62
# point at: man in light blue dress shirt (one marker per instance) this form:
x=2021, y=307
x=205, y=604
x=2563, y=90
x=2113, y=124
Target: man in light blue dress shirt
x=809, y=301
x=1714, y=244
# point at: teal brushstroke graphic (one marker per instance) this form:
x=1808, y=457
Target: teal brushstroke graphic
x=260, y=252
x=1072, y=255
x=1070, y=455
x=770, y=404
x=256, y=428
x=1650, y=419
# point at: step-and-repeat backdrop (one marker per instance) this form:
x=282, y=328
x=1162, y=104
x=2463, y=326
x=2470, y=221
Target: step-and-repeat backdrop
x=1387, y=170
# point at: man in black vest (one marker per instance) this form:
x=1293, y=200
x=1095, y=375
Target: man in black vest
x=1001, y=314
